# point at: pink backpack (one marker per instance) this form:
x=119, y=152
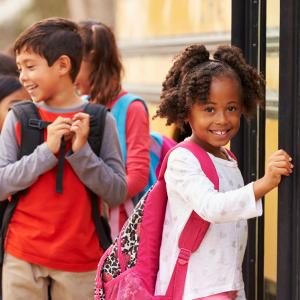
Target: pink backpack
x=128, y=269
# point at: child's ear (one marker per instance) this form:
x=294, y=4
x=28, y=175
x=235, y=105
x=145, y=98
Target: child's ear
x=64, y=64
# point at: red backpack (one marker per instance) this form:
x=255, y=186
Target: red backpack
x=128, y=269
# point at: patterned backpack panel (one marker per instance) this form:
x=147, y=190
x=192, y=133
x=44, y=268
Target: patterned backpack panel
x=125, y=247
x=128, y=269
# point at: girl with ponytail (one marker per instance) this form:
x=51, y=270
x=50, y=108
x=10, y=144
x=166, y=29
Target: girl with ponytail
x=99, y=79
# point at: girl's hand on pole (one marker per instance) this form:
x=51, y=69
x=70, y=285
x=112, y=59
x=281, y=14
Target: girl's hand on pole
x=278, y=165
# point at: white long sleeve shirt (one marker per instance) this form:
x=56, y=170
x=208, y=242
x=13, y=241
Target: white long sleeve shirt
x=216, y=266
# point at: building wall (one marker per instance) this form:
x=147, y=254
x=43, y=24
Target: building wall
x=151, y=32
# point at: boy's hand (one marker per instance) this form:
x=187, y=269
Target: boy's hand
x=278, y=164
x=81, y=128
x=55, y=131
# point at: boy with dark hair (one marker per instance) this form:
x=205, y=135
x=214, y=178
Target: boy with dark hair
x=51, y=239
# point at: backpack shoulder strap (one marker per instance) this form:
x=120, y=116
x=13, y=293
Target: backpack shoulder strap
x=203, y=158
x=156, y=142
x=6, y=217
x=187, y=240
x=97, y=114
x=195, y=228
x=119, y=111
x=31, y=125
x=167, y=144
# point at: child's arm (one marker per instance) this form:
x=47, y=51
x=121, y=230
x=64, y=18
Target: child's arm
x=138, y=146
x=190, y=189
x=103, y=174
x=278, y=164
x=17, y=175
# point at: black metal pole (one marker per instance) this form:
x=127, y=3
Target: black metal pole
x=288, y=265
x=249, y=33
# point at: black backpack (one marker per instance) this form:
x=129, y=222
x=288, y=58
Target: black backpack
x=32, y=135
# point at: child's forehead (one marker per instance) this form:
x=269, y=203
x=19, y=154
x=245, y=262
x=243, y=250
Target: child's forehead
x=26, y=54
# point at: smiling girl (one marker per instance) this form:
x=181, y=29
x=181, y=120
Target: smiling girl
x=211, y=95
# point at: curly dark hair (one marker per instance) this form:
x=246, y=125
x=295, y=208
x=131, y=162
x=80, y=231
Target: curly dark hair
x=190, y=77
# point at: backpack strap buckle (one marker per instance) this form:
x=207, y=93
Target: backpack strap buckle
x=184, y=256
x=36, y=123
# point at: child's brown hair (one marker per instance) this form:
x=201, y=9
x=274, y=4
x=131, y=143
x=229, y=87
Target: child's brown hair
x=100, y=48
x=51, y=38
